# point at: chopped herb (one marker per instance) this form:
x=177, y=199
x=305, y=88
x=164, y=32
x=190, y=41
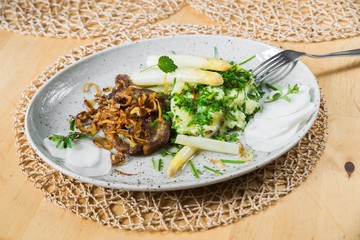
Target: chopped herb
x=173, y=52
x=279, y=92
x=67, y=141
x=247, y=60
x=166, y=64
x=148, y=68
x=232, y=161
x=168, y=115
x=153, y=162
x=216, y=52
x=164, y=152
x=72, y=124
x=160, y=164
x=272, y=87
x=213, y=170
x=153, y=124
x=227, y=137
x=194, y=169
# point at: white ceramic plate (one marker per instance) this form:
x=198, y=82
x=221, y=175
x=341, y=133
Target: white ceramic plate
x=62, y=96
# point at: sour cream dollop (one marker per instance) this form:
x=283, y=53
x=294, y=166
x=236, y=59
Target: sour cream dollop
x=278, y=122
x=83, y=158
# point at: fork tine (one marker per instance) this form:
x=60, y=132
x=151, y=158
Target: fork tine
x=269, y=67
x=267, y=62
x=261, y=77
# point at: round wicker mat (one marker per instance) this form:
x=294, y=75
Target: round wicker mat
x=194, y=209
x=291, y=20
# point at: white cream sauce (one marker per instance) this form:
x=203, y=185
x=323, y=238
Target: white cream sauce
x=278, y=122
x=84, y=157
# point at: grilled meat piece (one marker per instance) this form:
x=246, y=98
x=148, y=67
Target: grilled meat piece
x=130, y=117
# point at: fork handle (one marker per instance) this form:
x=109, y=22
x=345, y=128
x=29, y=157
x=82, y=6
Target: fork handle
x=353, y=52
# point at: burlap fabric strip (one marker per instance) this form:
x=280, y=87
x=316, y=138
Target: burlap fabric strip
x=275, y=20
x=194, y=209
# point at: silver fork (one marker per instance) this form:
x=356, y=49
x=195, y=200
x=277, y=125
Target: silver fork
x=286, y=57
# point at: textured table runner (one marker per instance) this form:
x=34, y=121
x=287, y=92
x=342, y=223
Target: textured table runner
x=275, y=20
x=194, y=209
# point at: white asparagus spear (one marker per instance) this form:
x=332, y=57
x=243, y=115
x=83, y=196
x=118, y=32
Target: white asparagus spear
x=180, y=159
x=189, y=61
x=192, y=144
x=208, y=144
x=154, y=76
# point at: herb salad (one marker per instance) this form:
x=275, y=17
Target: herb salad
x=213, y=111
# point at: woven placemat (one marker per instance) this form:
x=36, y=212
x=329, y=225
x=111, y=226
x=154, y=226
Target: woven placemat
x=275, y=20
x=290, y=20
x=194, y=209
x=82, y=18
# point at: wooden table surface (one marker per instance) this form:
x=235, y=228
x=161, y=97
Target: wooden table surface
x=325, y=206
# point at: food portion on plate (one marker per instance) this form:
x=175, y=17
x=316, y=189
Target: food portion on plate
x=190, y=102
x=279, y=120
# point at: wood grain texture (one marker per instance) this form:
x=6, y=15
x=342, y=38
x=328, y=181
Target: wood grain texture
x=325, y=206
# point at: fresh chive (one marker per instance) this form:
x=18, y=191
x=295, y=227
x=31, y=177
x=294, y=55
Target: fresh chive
x=272, y=87
x=247, y=60
x=150, y=86
x=194, y=169
x=160, y=164
x=164, y=152
x=232, y=161
x=153, y=163
x=148, y=68
x=213, y=170
x=215, y=52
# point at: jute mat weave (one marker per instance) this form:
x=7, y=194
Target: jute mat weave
x=275, y=20
x=194, y=209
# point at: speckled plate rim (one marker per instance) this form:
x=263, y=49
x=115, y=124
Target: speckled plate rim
x=177, y=185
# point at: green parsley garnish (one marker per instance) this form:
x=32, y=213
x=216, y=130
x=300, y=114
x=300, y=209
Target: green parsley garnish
x=279, y=92
x=166, y=64
x=67, y=141
x=213, y=170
